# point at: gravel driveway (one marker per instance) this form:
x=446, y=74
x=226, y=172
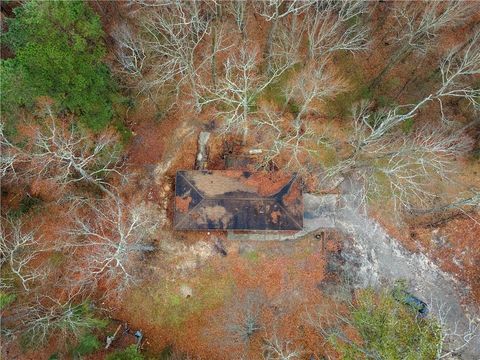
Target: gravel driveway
x=376, y=259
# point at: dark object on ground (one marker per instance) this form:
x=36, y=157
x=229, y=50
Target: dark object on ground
x=408, y=299
x=219, y=247
x=138, y=336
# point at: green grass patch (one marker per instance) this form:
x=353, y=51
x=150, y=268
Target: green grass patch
x=10, y=128
x=251, y=255
x=382, y=189
x=348, y=68
x=476, y=154
x=130, y=353
x=407, y=126
x=125, y=133
x=274, y=92
x=341, y=105
x=384, y=101
x=56, y=258
x=6, y=299
x=326, y=155
x=165, y=306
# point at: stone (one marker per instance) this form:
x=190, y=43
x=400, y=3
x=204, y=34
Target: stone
x=186, y=291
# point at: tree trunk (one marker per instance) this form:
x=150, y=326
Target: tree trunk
x=409, y=81
x=214, y=58
x=399, y=56
x=269, y=46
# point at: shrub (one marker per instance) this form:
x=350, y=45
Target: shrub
x=6, y=299
x=27, y=204
x=87, y=344
x=389, y=330
x=130, y=353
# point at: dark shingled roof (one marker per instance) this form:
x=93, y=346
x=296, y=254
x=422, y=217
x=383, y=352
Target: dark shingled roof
x=237, y=200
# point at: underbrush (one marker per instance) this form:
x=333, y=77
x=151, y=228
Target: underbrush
x=348, y=69
x=27, y=204
x=275, y=92
x=388, y=328
x=6, y=299
x=87, y=344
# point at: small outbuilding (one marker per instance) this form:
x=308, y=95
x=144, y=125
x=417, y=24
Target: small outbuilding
x=237, y=200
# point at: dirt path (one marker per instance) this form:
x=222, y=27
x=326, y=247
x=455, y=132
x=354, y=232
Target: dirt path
x=377, y=259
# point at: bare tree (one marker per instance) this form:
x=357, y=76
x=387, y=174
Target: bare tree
x=68, y=157
x=18, y=251
x=455, y=68
x=458, y=66
x=405, y=165
x=12, y=158
x=244, y=319
x=286, y=43
x=109, y=236
x=415, y=164
x=463, y=203
x=314, y=83
x=239, y=11
x=276, y=348
x=238, y=89
x=453, y=339
x=285, y=144
x=63, y=155
x=130, y=51
x=45, y=316
x=420, y=24
x=330, y=27
x=408, y=162
x=273, y=11
x=175, y=31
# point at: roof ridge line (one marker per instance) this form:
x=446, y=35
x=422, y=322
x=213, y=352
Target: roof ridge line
x=189, y=211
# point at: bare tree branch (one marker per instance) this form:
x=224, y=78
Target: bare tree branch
x=329, y=28
x=453, y=340
x=237, y=91
x=18, y=250
x=130, y=51
x=276, y=348
x=421, y=22
x=175, y=32
x=45, y=316
x=109, y=236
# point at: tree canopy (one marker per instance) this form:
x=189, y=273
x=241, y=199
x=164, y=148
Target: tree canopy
x=58, y=48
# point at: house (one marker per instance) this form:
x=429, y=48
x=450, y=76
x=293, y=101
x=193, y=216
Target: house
x=237, y=200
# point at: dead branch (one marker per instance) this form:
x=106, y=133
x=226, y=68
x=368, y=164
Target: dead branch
x=18, y=250
x=329, y=28
x=108, y=236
